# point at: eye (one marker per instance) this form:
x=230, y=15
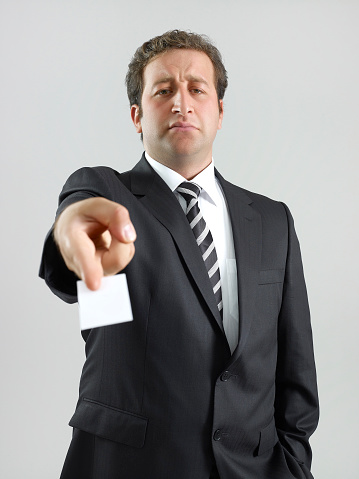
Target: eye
x=162, y=92
x=197, y=91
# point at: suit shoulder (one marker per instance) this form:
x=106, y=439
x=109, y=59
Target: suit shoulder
x=91, y=175
x=89, y=182
x=96, y=181
x=263, y=204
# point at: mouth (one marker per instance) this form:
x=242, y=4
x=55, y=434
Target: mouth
x=182, y=126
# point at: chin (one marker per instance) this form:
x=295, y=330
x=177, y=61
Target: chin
x=184, y=149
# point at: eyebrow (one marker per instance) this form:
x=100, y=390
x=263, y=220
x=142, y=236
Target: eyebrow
x=163, y=80
x=197, y=80
x=191, y=78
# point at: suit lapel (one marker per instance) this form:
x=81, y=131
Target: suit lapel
x=247, y=236
x=155, y=195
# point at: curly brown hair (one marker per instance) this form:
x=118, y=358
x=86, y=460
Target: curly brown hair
x=170, y=40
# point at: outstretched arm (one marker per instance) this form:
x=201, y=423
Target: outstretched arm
x=92, y=236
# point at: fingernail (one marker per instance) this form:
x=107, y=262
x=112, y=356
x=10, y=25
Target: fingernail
x=129, y=232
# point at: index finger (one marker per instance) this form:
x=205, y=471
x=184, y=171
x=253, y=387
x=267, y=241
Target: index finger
x=112, y=215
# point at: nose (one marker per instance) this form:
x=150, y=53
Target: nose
x=182, y=102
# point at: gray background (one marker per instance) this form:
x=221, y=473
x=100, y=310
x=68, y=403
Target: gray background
x=290, y=132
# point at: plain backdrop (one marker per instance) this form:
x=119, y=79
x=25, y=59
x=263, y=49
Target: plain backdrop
x=290, y=132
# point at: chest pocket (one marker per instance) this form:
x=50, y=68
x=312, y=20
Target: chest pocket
x=271, y=276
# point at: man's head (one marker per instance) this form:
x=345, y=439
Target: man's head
x=174, y=39
x=176, y=83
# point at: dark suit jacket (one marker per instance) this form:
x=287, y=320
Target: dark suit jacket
x=162, y=397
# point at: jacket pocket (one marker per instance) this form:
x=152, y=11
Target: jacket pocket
x=269, y=276
x=110, y=423
x=268, y=438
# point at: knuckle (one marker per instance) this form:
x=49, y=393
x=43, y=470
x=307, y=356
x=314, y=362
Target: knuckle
x=121, y=213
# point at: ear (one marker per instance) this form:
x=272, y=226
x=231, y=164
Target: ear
x=135, y=116
x=220, y=119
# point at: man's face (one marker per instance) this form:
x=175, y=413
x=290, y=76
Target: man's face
x=180, y=109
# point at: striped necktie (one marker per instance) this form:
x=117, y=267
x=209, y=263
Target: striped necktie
x=190, y=192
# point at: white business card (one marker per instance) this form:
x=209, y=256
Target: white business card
x=110, y=304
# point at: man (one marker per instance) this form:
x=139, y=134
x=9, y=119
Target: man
x=215, y=375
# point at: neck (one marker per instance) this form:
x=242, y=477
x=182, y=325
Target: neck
x=186, y=167
x=187, y=171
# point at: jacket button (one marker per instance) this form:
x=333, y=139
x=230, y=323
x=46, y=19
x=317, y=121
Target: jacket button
x=225, y=376
x=217, y=435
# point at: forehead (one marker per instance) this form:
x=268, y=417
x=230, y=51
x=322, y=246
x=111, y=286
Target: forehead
x=179, y=64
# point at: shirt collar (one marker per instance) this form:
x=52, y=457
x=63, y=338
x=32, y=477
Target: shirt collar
x=205, y=179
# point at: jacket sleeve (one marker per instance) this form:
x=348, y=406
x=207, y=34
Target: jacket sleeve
x=82, y=184
x=296, y=403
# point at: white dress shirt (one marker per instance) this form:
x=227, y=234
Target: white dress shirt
x=213, y=206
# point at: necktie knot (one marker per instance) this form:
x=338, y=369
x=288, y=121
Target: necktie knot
x=189, y=191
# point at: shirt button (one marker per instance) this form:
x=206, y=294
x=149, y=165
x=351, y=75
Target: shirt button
x=225, y=376
x=217, y=435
